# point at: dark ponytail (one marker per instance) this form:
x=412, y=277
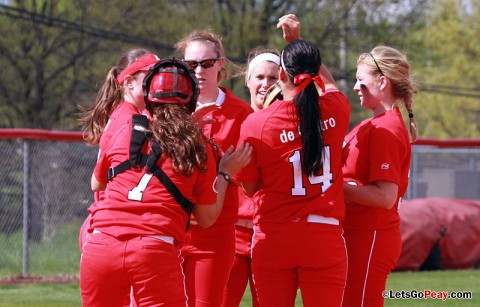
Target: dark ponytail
x=303, y=57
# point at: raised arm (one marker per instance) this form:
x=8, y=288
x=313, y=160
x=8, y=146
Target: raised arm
x=327, y=78
x=290, y=26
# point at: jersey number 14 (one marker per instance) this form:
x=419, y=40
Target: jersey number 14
x=325, y=180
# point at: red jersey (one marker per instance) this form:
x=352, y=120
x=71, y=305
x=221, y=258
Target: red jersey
x=136, y=203
x=119, y=117
x=286, y=193
x=377, y=149
x=225, y=132
x=245, y=205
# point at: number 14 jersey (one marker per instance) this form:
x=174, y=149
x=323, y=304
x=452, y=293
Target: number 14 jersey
x=285, y=192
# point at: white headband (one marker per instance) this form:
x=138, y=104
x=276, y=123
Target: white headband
x=283, y=64
x=262, y=57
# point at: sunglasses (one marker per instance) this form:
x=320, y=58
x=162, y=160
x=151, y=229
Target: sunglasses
x=207, y=63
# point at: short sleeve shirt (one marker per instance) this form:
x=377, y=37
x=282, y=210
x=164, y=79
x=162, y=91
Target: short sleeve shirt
x=377, y=149
x=285, y=192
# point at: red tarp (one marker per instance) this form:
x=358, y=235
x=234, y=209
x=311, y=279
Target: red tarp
x=453, y=223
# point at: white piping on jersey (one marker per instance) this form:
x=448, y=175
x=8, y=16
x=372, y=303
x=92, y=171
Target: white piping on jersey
x=251, y=252
x=346, y=272
x=368, y=266
x=182, y=260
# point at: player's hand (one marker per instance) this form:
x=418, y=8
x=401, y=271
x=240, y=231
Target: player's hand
x=290, y=26
x=204, y=109
x=233, y=161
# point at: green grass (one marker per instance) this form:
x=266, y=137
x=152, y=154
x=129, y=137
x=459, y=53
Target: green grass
x=68, y=295
x=59, y=256
x=40, y=295
x=462, y=280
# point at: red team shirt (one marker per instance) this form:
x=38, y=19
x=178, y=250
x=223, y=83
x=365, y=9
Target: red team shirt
x=377, y=149
x=245, y=206
x=136, y=204
x=273, y=133
x=225, y=132
x=119, y=117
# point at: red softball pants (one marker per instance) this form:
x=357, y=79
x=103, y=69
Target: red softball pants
x=372, y=255
x=208, y=254
x=241, y=272
x=111, y=268
x=299, y=254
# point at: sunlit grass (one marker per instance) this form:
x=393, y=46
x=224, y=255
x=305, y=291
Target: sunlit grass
x=68, y=295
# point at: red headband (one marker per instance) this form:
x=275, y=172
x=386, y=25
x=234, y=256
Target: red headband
x=303, y=80
x=143, y=63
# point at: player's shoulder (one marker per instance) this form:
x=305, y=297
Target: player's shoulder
x=260, y=118
x=236, y=102
x=336, y=97
x=391, y=119
x=390, y=126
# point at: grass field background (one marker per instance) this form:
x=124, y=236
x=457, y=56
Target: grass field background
x=61, y=256
x=68, y=295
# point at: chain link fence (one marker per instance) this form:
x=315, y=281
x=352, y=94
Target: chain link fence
x=450, y=172
x=45, y=192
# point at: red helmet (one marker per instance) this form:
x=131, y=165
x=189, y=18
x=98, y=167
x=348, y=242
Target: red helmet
x=171, y=81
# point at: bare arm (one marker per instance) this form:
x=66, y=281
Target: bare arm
x=206, y=215
x=230, y=164
x=290, y=26
x=327, y=78
x=379, y=194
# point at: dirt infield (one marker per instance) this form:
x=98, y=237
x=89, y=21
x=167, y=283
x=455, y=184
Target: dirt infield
x=61, y=279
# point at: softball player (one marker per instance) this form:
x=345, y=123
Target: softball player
x=112, y=111
x=209, y=253
x=261, y=73
x=376, y=165
x=295, y=172
x=138, y=225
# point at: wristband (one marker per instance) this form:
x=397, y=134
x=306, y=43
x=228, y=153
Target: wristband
x=225, y=175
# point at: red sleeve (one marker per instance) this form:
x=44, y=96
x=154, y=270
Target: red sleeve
x=204, y=191
x=385, y=156
x=101, y=168
x=250, y=173
x=105, y=160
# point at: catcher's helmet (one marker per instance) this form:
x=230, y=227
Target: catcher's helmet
x=171, y=81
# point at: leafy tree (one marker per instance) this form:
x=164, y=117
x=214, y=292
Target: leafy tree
x=41, y=66
x=373, y=22
x=55, y=54
x=448, y=105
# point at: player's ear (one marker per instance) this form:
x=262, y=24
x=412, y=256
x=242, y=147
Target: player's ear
x=384, y=82
x=282, y=75
x=128, y=81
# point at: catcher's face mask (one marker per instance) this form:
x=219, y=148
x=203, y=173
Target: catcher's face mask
x=171, y=81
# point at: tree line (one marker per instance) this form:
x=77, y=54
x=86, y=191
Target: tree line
x=55, y=54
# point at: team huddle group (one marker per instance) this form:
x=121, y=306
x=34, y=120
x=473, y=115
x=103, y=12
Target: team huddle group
x=199, y=193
